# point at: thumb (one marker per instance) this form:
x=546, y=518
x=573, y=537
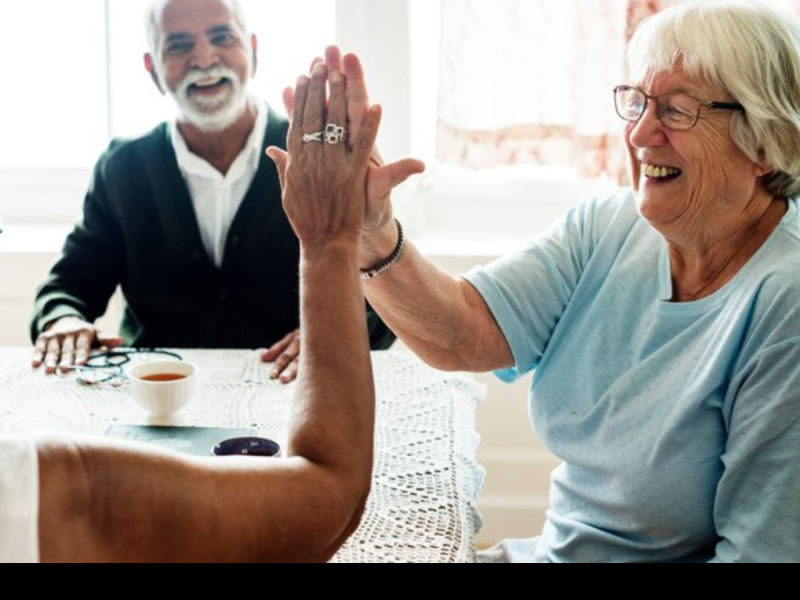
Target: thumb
x=388, y=177
x=398, y=172
x=281, y=160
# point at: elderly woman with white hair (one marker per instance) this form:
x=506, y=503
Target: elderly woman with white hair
x=663, y=322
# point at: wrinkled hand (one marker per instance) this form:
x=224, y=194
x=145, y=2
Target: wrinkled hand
x=286, y=356
x=379, y=233
x=67, y=342
x=324, y=185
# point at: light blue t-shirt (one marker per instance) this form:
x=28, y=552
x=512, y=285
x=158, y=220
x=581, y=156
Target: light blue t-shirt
x=678, y=424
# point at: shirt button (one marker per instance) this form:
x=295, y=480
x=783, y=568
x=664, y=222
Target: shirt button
x=197, y=256
x=235, y=240
x=224, y=295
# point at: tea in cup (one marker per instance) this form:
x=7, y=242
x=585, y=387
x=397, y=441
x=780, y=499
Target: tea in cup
x=163, y=388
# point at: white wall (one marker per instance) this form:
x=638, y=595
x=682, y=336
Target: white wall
x=17, y=275
x=26, y=255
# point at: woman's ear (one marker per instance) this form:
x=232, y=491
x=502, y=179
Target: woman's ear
x=762, y=168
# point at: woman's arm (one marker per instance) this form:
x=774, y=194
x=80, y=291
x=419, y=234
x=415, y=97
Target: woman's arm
x=122, y=503
x=441, y=318
x=756, y=509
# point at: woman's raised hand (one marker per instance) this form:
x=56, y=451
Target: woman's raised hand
x=324, y=174
x=379, y=232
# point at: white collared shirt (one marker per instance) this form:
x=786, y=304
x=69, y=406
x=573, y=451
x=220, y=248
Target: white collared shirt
x=217, y=197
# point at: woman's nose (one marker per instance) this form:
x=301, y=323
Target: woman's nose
x=648, y=131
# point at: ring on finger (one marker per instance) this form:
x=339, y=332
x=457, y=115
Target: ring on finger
x=313, y=137
x=335, y=134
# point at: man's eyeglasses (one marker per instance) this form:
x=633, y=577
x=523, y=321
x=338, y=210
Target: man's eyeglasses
x=678, y=112
x=109, y=367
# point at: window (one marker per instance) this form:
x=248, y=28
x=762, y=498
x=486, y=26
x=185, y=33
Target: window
x=465, y=56
x=78, y=79
x=530, y=83
x=83, y=80
x=525, y=123
x=55, y=64
x=136, y=105
x=85, y=83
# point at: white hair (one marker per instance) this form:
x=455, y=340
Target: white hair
x=208, y=114
x=752, y=51
x=153, y=20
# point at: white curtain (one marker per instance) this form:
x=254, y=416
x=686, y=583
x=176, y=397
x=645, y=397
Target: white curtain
x=530, y=81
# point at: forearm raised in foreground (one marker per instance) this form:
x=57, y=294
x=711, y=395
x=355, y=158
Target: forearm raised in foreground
x=103, y=502
x=335, y=406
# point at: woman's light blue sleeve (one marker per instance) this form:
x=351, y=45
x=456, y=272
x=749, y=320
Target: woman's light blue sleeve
x=527, y=292
x=757, y=506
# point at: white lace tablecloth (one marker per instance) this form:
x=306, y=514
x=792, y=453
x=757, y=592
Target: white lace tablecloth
x=426, y=481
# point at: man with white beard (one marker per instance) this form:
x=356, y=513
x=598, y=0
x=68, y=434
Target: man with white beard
x=188, y=219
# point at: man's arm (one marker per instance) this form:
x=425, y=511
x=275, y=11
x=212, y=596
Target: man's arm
x=80, y=285
x=286, y=352
x=101, y=502
x=112, y=503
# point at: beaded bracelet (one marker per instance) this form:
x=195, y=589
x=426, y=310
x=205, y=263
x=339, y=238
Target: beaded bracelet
x=392, y=260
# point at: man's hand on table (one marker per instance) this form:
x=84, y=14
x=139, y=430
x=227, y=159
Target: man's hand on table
x=68, y=342
x=286, y=356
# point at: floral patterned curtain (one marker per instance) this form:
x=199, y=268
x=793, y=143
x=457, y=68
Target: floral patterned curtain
x=529, y=81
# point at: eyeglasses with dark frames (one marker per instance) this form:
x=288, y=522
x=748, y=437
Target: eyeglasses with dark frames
x=108, y=368
x=678, y=112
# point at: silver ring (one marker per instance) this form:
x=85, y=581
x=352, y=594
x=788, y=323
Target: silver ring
x=313, y=137
x=335, y=134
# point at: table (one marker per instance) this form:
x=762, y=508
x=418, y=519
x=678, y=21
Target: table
x=425, y=483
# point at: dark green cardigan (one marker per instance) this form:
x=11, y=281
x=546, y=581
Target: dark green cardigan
x=139, y=231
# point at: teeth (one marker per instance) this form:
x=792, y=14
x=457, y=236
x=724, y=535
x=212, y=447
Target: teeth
x=654, y=172
x=209, y=82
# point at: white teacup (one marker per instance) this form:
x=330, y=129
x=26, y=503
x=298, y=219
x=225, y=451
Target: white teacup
x=163, y=388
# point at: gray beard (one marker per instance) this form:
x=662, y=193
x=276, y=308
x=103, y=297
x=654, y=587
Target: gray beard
x=216, y=113
x=209, y=118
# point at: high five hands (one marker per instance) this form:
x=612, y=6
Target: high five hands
x=348, y=106
x=379, y=234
